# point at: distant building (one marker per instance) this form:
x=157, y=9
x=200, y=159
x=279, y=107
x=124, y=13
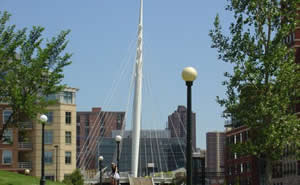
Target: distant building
x=158, y=151
x=22, y=150
x=241, y=169
x=215, y=143
x=198, y=176
x=91, y=125
x=177, y=124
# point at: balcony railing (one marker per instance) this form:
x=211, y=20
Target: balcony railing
x=25, y=145
x=25, y=125
x=25, y=165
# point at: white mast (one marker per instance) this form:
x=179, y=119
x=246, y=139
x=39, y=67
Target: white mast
x=136, y=125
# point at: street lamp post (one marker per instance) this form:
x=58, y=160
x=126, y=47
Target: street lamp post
x=118, y=140
x=100, y=169
x=56, y=160
x=189, y=74
x=43, y=120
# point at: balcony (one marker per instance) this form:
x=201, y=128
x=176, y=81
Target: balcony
x=25, y=165
x=25, y=125
x=25, y=145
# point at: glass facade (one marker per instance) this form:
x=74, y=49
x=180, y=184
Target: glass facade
x=156, y=147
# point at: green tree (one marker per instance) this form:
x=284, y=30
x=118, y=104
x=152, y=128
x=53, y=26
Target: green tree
x=30, y=70
x=75, y=178
x=264, y=86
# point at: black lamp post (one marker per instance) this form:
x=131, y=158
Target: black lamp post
x=118, y=140
x=43, y=120
x=100, y=169
x=56, y=160
x=189, y=74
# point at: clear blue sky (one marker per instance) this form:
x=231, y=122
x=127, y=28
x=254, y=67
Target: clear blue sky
x=103, y=40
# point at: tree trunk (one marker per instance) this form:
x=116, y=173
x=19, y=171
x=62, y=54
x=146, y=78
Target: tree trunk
x=268, y=172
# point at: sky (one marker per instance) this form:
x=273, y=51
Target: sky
x=103, y=40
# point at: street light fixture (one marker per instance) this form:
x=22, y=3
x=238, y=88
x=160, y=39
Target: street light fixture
x=189, y=74
x=56, y=164
x=43, y=120
x=100, y=168
x=27, y=171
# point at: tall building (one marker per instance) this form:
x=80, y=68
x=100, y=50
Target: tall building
x=22, y=148
x=215, y=145
x=91, y=125
x=177, y=124
x=158, y=151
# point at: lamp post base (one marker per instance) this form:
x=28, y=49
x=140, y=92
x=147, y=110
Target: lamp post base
x=43, y=181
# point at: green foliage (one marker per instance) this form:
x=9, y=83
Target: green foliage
x=75, y=178
x=263, y=88
x=30, y=69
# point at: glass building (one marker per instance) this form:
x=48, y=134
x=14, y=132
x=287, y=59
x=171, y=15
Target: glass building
x=158, y=151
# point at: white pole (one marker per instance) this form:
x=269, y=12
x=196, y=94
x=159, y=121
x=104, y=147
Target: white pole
x=136, y=125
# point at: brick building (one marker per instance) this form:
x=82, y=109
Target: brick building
x=240, y=169
x=91, y=125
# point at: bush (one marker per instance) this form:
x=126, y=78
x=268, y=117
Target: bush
x=76, y=178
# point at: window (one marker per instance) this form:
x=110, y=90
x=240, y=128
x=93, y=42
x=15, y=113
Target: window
x=66, y=175
x=6, y=157
x=68, y=97
x=87, y=122
x=48, y=157
x=7, y=137
x=68, y=137
x=6, y=115
x=50, y=117
x=48, y=137
x=51, y=97
x=49, y=177
x=68, y=117
x=67, y=157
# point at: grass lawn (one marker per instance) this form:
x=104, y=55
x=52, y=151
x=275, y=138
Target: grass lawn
x=10, y=178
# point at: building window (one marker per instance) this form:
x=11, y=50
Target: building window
x=68, y=137
x=49, y=177
x=48, y=137
x=51, y=97
x=6, y=115
x=66, y=175
x=87, y=122
x=7, y=136
x=50, y=117
x=6, y=157
x=48, y=157
x=68, y=97
x=67, y=157
x=68, y=117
